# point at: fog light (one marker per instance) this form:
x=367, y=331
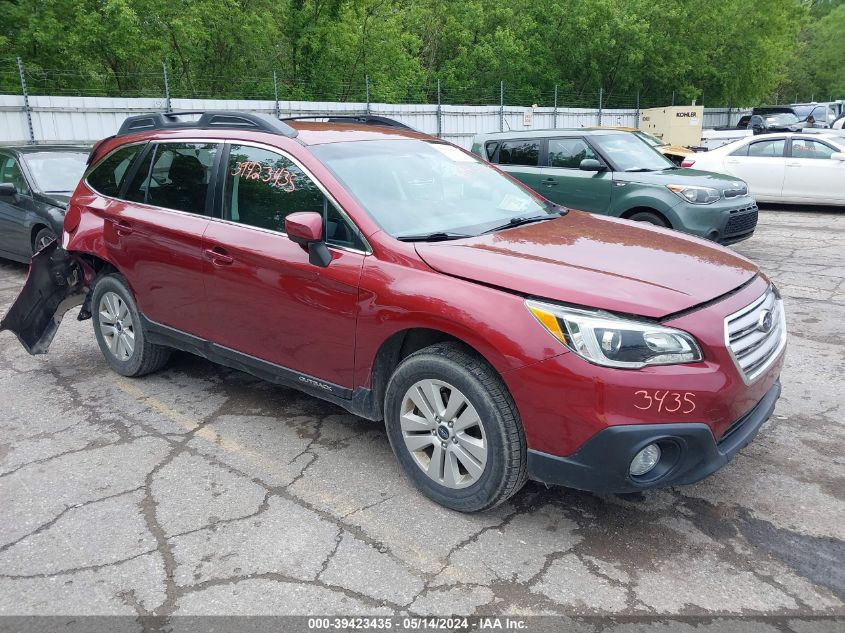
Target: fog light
x=645, y=460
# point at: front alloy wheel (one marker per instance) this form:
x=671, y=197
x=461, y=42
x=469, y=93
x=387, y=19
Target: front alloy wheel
x=444, y=433
x=454, y=428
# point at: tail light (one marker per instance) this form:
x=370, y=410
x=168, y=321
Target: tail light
x=687, y=162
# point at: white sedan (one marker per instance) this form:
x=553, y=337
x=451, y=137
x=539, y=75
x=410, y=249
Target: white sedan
x=790, y=167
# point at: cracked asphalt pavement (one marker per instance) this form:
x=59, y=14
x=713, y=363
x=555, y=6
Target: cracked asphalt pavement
x=203, y=490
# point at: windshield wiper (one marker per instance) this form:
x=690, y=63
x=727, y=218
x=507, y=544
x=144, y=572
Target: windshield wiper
x=520, y=220
x=636, y=169
x=438, y=236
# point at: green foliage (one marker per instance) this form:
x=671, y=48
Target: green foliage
x=721, y=51
x=816, y=71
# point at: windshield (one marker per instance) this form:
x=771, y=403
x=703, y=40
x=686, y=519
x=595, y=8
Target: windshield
x=651, y=139
x=56, y=172
x=782, y=118
x=628, y=153
x=416, y=187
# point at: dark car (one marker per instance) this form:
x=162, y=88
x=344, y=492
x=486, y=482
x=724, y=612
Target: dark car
x=35, y=185
x=500, y=336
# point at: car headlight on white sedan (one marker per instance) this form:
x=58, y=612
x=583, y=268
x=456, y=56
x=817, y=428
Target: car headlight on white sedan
x=696, y=194
x=611, y=341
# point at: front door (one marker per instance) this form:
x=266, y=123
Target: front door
x=521, y=159
x=811, y=173
x=14, y=234
x=563, y=181
x=267, y=300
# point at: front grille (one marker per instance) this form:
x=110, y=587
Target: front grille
x=753, y=345
x=743, y=220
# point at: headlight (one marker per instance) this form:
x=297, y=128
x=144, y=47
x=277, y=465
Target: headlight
x=604, y=339
x=696, y=195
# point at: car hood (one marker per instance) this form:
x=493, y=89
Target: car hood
x=596, y=261
x=675, y=150
x=60, y=200
x=679, y=177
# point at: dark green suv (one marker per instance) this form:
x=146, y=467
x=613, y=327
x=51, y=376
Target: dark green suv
x=615, y=173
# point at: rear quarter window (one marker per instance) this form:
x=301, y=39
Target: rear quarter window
x=108, y=175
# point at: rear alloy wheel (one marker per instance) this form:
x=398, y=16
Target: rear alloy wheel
x=120, y=332
x=42, y=238
x=649, y=217
x=454, y=428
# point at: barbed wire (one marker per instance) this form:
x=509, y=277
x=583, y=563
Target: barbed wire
x=151, y=84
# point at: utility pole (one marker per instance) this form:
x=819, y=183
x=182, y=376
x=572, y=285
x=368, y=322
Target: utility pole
x=276, y=94
x=167, y=107
x=26, y=107
x=501, y=106
x=439, y=112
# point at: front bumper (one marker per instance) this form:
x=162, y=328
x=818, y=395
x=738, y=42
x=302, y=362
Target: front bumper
x=726, y=222
x=689, y=453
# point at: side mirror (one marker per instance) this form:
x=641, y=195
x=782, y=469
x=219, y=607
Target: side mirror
x=8, y=190
x=837, y=156
x=306, y=229
x=591, y=164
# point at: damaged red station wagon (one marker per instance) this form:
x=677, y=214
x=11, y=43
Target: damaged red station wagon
x=499, y=336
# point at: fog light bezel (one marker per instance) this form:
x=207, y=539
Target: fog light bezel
x=670, y=457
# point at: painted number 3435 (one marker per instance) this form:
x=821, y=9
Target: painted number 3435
x=668, y=401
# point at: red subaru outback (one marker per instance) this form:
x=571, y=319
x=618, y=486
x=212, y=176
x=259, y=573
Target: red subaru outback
x=499, y=336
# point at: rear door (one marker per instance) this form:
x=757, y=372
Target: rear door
x=521, y=159
x=154, y=231
x=762, y=165
x=811, y=174
x=14, y=229
x=563, y=181
x=264, y=296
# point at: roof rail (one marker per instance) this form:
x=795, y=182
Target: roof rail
x=366, y=119
x=208, y=120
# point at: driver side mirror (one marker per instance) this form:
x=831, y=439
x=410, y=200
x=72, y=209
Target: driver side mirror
x=306, y=229
x=8, y=190
x=838, y=156
x=591, y=164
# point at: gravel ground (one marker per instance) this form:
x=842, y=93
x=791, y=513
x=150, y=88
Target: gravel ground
x=201, y=490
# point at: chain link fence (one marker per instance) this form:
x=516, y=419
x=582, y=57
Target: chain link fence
x=452, y=111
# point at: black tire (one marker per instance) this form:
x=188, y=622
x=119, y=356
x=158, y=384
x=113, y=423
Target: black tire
x=145, y=357
x=651, y=218
x=505, y=469
x=42, y=238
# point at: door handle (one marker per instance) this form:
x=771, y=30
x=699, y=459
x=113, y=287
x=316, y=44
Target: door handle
x=793, y=164
x=732, y=162
x=218, y=256
x=122, y=228
x=549, y=182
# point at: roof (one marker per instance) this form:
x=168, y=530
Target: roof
x=32, y=149
x=577, y=131
x=315, y=133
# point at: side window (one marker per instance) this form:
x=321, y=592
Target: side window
x=490, y=150
x=805, y=148
x=179, y=176
x=107, y=176
x=10, y=172
x=767, y=149
x=742, y=151
x=520, y=153
x=263, y=187
x=569, y=152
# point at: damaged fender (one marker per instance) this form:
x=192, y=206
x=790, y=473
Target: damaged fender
x=55, y=284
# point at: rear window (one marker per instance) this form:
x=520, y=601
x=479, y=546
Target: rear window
x=519, y=153
x=107, y=176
